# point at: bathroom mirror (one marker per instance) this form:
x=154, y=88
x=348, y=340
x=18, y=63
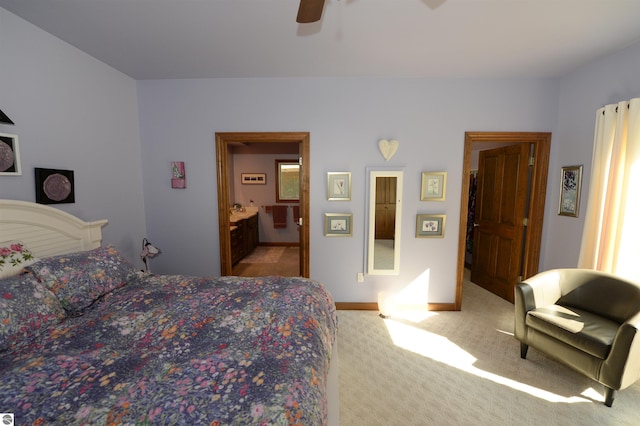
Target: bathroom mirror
x=385, y=213
x=287, y=181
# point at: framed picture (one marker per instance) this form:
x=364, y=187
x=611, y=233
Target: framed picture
x=430, y=225
x=338, y=186
x=434, y=186
x=178, y=175
x=338, y=224
x=9, y=155
x=253, y=178
x=570, y=182
x=54, y=186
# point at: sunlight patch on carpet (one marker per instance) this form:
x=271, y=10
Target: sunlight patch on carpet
x=441, y=349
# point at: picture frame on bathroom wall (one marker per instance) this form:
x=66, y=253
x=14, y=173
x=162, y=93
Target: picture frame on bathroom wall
x=253, y=178
x=178, y=175
x=338, y=186
x=54, y=186
x=9, y=155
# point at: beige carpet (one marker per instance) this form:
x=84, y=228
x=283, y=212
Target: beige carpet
x=462, y=368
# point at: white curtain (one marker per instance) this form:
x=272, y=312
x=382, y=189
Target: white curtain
x=611, y=236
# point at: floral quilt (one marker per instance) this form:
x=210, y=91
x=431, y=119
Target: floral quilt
x=178, y=350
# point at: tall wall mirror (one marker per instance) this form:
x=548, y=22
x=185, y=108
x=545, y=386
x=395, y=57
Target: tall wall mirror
x=385, y=219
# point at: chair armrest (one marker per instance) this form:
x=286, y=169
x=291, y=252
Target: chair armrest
x=539, y=290
x=622, y=366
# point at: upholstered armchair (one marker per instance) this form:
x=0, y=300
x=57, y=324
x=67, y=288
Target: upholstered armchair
x=585, y=319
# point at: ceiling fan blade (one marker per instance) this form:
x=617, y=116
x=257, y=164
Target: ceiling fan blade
x=310, y=11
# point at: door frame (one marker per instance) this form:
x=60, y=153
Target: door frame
x=533, y=237
x=223, y=141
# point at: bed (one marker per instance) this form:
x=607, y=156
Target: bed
x=86, y=339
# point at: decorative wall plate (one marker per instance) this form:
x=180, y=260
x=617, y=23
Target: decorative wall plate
x=54, y=186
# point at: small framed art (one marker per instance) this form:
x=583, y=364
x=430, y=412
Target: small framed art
x=9, y=155
x=338, y=186
x=570, y=182
x=434, y=186
x=430, y=225
x=253, y=178
x=338, y=224
x=178, y=175
x=54, y=186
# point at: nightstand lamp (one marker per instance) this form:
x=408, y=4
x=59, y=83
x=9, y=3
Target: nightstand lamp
x=148, y=251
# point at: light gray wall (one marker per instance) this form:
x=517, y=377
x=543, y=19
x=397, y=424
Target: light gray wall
x=346, y=118
x=607, y=80
x=73, y=112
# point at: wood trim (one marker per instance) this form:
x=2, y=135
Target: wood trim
x=373, y=306
x=542, y=147
x=356, y=306
x=442, y=307
x=223, y=139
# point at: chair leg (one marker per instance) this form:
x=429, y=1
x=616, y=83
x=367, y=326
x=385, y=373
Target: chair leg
x=523, y=350
x=609, y=395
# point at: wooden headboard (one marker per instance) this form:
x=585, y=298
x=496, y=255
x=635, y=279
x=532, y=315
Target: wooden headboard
x=45, y=230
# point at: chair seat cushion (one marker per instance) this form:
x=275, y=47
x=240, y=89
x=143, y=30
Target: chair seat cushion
x=586, y=331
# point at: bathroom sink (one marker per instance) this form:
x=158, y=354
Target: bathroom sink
x=238, y=216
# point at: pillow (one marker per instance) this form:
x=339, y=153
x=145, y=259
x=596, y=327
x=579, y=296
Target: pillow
x=78, y=279
x=14, y=256
x=26, y=308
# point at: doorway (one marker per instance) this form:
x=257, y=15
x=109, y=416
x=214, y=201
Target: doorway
x=224, y=142
x=539, y=165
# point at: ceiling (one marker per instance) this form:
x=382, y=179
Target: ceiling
x=156, y=39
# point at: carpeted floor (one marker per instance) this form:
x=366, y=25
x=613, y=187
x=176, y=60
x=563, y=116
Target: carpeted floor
x=461, y=368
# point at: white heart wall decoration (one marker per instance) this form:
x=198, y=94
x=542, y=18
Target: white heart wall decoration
x=388, y=148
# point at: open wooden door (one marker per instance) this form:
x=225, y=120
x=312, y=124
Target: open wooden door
x=501, y=209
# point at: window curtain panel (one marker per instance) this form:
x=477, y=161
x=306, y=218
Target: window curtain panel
x=610, y=240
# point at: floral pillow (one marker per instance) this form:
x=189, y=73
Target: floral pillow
x=78, y=279
x=26, y=308
x=14, y=256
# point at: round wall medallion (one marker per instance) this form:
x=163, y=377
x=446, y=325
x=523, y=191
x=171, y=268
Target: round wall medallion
x=57, y=187
x=6, y=157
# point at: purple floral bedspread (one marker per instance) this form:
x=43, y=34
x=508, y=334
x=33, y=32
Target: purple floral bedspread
x=180, y=350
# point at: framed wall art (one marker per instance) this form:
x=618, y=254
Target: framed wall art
x=54, y=186
x=178, y=175
x=430, y=225
x=338, y=224
x=253, y=178
x=9, y=155
x=570, y=182
x=338, y=186
x=434, y=186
